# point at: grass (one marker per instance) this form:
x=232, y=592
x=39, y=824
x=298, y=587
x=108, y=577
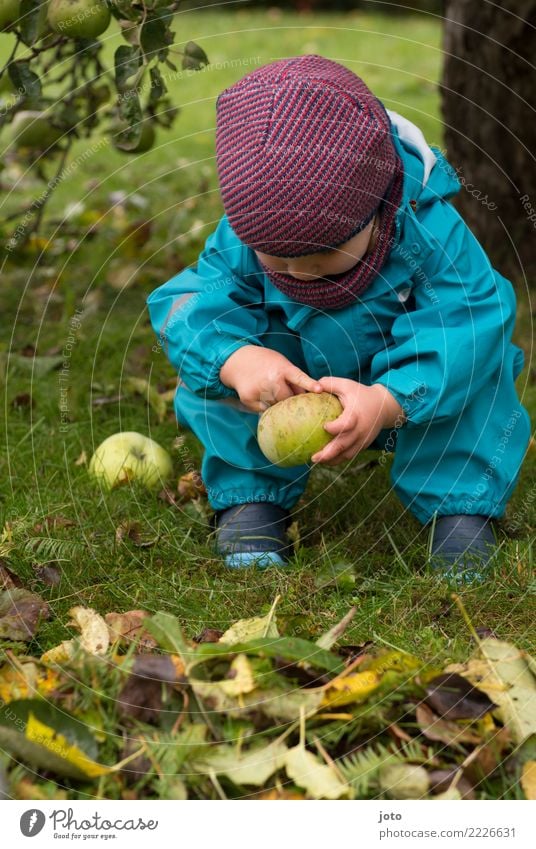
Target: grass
x=355, y=520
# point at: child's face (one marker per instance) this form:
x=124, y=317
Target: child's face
x=336, y=261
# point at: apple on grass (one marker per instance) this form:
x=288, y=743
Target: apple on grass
x=129, y=456
x=291, y=431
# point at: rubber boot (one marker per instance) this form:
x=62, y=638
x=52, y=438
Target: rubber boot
x=463, y=546
x=252, y=535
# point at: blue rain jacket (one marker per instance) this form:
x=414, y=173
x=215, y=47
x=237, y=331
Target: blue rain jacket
x=434, y=328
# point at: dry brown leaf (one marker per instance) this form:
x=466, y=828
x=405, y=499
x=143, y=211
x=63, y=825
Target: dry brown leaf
x=82, y=459
x=128, y=627
x=444, y=730
x=8, y=579
x=191, y=486
x=21, y=613
x=53, y=523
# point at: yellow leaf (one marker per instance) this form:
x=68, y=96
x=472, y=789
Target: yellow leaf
x=251, y=629
x=395, y=661
x=37, y=732
x=528, y=780
x=94, y=634
x=26, y=681
x=60, y=654
x=344, y=690
x=317, y=779
x=242, y=680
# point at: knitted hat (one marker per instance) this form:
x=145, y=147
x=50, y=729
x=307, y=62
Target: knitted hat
x=305, y=159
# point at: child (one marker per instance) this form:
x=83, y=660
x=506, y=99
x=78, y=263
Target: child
x=341, y=266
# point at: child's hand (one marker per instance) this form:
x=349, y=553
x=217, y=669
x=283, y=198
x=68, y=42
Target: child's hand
x=367, y=410
x=261, y=377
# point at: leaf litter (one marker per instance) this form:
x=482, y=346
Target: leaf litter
x=131, y=702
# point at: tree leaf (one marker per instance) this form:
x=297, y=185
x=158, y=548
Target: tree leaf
x=254, y=766
x=21, y=613
x=317, y=779
x=32, y=20
x=25, y=81
x=158, y=86
x=127, y=62
x=94, y=634
x=194, y=57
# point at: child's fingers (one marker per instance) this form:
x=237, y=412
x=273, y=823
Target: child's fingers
x=299, y=378
x=345, y=422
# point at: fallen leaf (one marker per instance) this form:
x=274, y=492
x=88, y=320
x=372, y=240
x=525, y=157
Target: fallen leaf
x=347, y=689
x=240, y=678
x=251, y=629
x=141, y=696
x=133, y=531
x=254, y=766
x=504, y=673
x=25, y=680
x=44, y=736
x=49, y=575
x=191, y=486
x=277, y=793
x=23, y=400
x=140, y=386
x=208, y=635
x=60, y=654
x=53, y=523
x=403, y=781
x=317, y=779
x=528, y=780
x=8, y=579
x=94, y=635
x=441, y=779
x=328, y=640
x=21, y=612
x=128, y=627
x=82, y=459
x=453, y=697
x=443, y=730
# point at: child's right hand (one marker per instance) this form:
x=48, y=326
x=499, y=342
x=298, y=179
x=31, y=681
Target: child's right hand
x=261, y=377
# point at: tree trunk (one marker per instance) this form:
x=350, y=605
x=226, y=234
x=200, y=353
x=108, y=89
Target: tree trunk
x=488, y=98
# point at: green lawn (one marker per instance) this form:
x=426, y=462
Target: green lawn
x=350, y=518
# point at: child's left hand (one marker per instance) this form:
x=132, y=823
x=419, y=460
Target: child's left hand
x=366, y=411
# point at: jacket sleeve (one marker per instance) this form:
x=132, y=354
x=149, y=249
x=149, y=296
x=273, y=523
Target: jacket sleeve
x=452, y=343
x=205, y=313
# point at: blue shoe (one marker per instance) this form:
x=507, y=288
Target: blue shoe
x=462, y=547
x=252, y=535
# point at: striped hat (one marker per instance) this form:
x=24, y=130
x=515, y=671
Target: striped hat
x=305, y=160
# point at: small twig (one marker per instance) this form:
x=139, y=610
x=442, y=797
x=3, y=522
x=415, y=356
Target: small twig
x=329, y=760
x=217, y=785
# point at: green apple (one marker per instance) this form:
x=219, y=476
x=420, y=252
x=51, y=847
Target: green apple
x=33, y=130
x=79, y=18
x=130, y=456
x=9, y=13
x=291, y=431
x=146, y=140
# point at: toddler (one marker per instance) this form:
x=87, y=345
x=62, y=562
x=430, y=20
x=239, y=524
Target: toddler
x=341, y=266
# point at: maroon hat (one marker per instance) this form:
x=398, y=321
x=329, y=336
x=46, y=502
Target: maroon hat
x=305, y=159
